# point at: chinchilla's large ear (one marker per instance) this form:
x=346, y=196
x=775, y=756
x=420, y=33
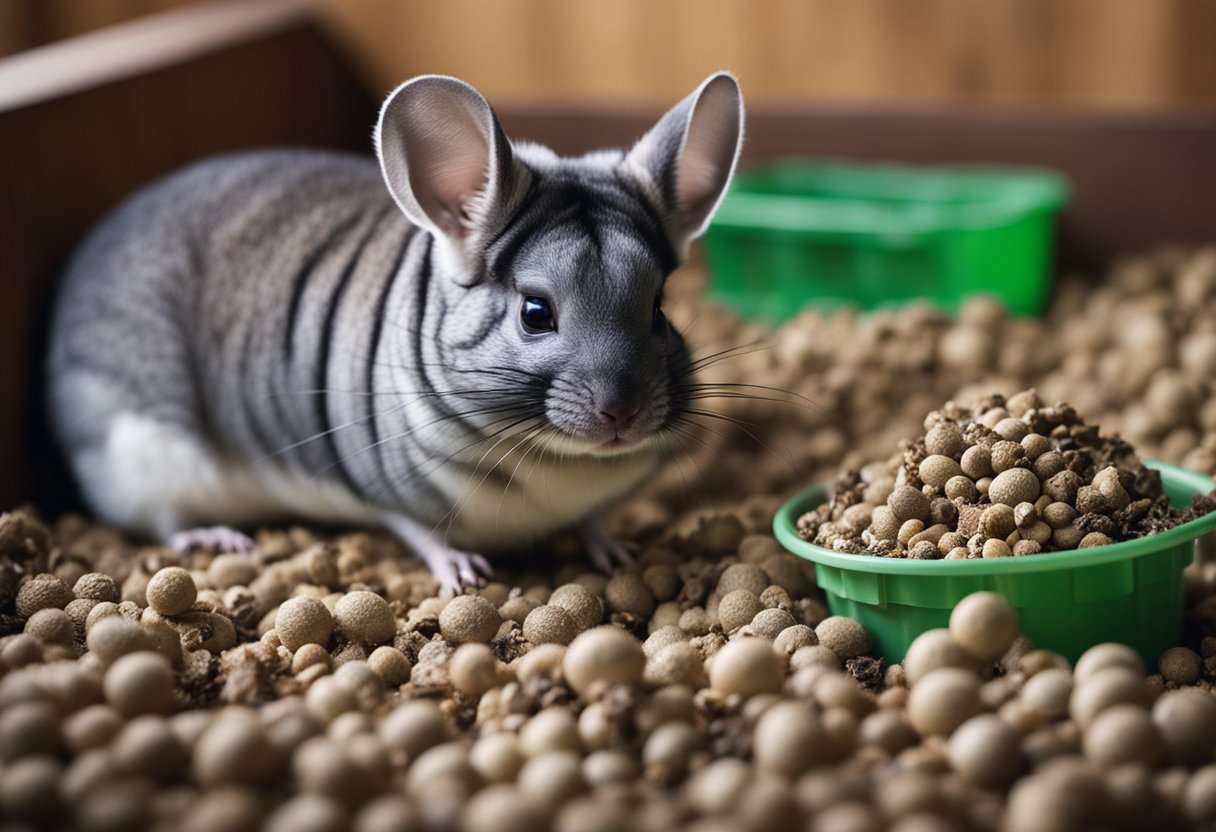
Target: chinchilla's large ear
x=444, y=156
x=687, y=158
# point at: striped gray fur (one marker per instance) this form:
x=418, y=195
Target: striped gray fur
x=274, y=333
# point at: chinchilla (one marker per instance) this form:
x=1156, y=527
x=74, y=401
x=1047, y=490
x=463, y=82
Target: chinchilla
x=474, y=357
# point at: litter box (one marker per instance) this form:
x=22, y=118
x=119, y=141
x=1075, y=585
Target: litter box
x=800, y=233
x=1129, y=592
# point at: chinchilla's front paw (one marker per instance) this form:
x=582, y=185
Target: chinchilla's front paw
x=603, y=550
x=456, y=569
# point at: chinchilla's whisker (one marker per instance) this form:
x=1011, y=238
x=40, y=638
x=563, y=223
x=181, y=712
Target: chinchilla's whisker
x=337, y=428
x=394, y=483
x=550, y=435
x=679, y=434
x=330, y=432
x=324, y=391
x=742, y=424
x=490, y=370
x=454, y=512
x=513, y=420
x=682, y=434
x=739, y=385
x=738, y=390
x=493, y=372
x=687, y=419
x=708, y=395
x=510, y=410
x=518, y=371
x=675, y=427
x=532, y=447
x=703, y=395
x=736, y=351
x=745, y=426
x=476, y=466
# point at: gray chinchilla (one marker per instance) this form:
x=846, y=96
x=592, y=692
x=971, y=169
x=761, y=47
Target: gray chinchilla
x=475, y=356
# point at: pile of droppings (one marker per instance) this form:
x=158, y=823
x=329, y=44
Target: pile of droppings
x=1005, y=478
x=321, y=683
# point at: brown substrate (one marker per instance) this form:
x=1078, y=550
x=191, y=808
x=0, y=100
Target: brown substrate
x=320, y=683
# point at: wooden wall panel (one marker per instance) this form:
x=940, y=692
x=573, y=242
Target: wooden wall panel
x=67, y=160
x=1194, y=35
x=1116, y=53
x=28, y=23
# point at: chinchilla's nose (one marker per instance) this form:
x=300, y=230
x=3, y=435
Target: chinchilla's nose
x=618, y=403
x=617, y=417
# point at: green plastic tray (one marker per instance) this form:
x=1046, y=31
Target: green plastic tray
x=827, y=234
x=1128, y=592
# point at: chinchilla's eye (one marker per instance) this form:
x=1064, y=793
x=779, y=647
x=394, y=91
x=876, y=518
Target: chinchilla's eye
x=536, y=315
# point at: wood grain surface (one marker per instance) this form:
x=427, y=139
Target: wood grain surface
x=1092, y=53
x=67, y=159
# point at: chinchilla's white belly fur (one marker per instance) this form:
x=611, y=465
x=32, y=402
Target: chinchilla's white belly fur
x=545, y=492
x=157, y=479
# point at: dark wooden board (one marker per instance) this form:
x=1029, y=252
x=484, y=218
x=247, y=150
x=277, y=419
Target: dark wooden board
x=65, y=161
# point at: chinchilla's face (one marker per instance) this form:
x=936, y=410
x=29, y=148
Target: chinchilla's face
x=551, y=269
x=582, y=269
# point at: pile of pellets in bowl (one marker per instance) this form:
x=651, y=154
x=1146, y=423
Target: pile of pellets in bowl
x=321, y=682
x=1003, y=478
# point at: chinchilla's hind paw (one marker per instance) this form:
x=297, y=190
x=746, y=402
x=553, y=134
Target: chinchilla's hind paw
x=217, y=539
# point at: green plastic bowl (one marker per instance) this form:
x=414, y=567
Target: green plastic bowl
x=1128, y=592
x=800, y=233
